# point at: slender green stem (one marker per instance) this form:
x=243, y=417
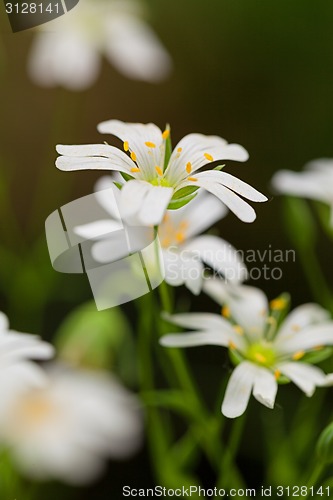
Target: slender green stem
x=227, y=476
x=317, y=471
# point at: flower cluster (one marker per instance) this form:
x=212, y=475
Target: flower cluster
x=57, y=422
x=264, y=350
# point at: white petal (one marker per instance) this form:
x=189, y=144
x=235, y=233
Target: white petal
x=219, y=255
x=4, y=323
x=132, y=197
x=65, y=59
x=135, y=50
x=154, y=205
x=301, y=317
x=236, y=204
x=231, y=182
x=306, y=339
x=248, y=305
x=203, y=211
x=93, y=157
x=309, y=184
x=137, y=134
x=304, y=375
x=208, y=321
x=194, y=147
x=238, y=390
x=97, y=229
x=192, y=339
x=265, y=387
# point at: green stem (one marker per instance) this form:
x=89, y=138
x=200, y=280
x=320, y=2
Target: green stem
x=229, y=477
x=317, y=471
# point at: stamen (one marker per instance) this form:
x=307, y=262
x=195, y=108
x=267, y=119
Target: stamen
x=179, y=150
x=232, y=345
x=238, y=329
x=126, y=146
x=150, y=144
x=193, y=179
x=159, y=171
x=180, y=237
x=189, y=167
x=135, y=169
x=278, y=304
x=271, y=321
x=277, y=374
x=166, y=134
x=298, y=355
x=295, y=328
x=208, y=157
x=225, y=311
x=133, y=156
x=318, y=348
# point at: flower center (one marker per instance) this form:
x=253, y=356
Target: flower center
x=171, y=233
x=261, y=353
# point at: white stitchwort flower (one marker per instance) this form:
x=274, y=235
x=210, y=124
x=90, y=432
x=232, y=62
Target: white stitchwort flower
x=68, y=50
x=68, y=428
x=17, y=370
x=315, y=182
x=154, y=184
x=184, y=252
x=264, y=351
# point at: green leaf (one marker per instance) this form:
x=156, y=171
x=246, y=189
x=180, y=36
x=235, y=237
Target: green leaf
x=318, y=356
x=168, y=148
x=325, y=444
x=181, y=202
x=184, y=192
x=126, y=177
x=219, y=167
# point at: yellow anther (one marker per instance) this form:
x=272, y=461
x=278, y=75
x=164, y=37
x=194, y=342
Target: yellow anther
x=166, y=134
x=159, y=170
x=133, y=156
x=180, y=237
x=135, y=169
x=298, y=355
x=260, y=357
x=208, y=157
x=271, y=321
x=150, y=144
x=126, y=146
x=277, y=374
x=193, y=179
x=238, y=329
x=295, y=328
x=225, y=311
x=179, y=150
x=232, y=345
x=278, y=304
x=318, y=348
x=189, y=167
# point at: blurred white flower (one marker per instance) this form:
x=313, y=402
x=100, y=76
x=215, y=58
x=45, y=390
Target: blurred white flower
x=68, y=50
x=315, y=182
x=263, y=349
x=17, y=370
x=153, y=185
x=68, y=428
x=184, y=253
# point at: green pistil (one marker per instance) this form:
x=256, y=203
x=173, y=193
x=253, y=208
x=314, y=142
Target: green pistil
x=160, y=181
x=262, y=354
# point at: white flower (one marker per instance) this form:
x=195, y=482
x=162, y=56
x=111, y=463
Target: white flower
x=68, y=428
x=184, y=253
x=153, y=184
x=315, y=182
x=264, y=349
x=71, y=55
x=17, y=350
